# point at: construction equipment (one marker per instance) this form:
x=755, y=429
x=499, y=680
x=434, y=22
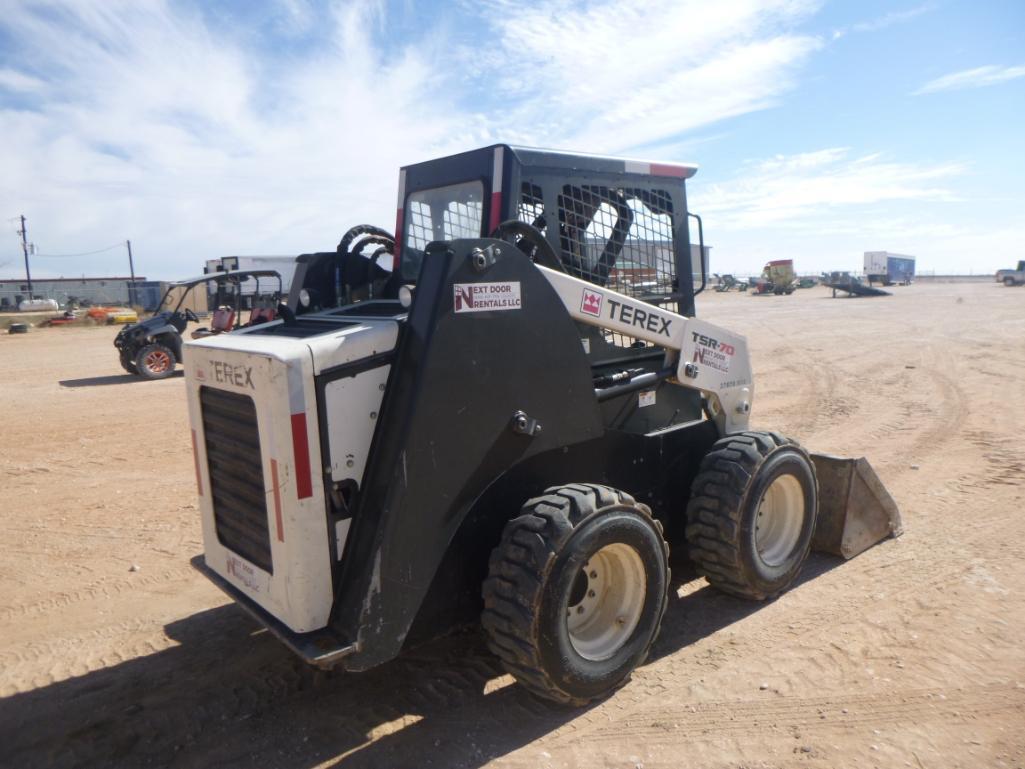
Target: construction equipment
x=726, y=282
x=492, y=431
x=851, y=284
x=778, y=278
x=1013, y=277
x=152, y=348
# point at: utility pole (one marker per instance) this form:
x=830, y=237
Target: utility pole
x=131, y=271
x=24, y=248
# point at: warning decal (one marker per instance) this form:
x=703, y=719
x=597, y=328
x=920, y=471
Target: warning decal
x=484, y=297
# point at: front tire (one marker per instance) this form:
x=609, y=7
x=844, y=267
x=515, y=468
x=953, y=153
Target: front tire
x=752, y=514
x=155, y=361
x=127, y=362
x=576, y=592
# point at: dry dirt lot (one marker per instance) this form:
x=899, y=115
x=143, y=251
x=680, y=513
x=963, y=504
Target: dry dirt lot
x=113, y=652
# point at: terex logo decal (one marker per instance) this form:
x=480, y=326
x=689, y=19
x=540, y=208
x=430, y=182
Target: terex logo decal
x=590, y=303
x=635, y=316
x=238, y=375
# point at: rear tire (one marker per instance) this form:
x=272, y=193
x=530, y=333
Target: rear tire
x=1008, y=281
x=752, y=514
x=127, y=363
x=155, y=361
x=576, y=592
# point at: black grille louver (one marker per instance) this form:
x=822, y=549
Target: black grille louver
x=236, y=474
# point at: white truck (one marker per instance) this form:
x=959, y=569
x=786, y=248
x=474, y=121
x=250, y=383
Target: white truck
x=1013, y=277
x=889, y=268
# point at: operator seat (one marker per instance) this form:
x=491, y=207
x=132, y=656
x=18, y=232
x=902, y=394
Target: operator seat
x=222, y=320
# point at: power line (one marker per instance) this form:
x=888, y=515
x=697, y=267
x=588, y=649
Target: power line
x=84, y=253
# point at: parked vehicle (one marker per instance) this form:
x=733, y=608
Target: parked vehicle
x=152, y=348
x=888, y=269
x=498, y=434
x=778, y=277
x=1012, y=277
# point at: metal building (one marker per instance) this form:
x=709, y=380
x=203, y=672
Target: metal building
x=100, y=291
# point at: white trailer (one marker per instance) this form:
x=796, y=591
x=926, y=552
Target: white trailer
x=889, y=268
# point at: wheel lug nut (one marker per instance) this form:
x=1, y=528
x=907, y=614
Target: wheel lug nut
x=590, y=594
x=594, y=575
x=580, y=610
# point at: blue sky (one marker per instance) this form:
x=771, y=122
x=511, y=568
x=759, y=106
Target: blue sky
x=821, y=129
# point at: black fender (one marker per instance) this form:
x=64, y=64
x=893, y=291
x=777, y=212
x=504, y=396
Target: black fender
x=448, y=431
x=169, y=337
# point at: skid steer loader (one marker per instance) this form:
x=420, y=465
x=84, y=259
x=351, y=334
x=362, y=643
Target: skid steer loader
x=471, y=419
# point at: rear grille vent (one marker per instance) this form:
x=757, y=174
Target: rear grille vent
x=236, y=474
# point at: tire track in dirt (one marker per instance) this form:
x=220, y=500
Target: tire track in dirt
x=100, y=589
x=852, y=711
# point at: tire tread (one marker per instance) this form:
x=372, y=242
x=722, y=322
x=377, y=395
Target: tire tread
x=519, y=567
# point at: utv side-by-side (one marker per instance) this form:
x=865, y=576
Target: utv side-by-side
x=515, y=424
x=153, y=347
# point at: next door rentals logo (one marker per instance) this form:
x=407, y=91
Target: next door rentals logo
x=484, y=297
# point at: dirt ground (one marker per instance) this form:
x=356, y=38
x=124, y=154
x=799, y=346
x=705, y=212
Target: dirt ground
x=114, y=652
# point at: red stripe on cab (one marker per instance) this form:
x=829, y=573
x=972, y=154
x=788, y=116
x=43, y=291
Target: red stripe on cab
x=277, y=499
x=496, y=211
x=195, y=460
x=301, y=447
x=658, y=169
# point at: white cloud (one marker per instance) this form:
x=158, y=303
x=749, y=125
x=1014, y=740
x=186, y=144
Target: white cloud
x=151, y=122
x=808, y=189
x=884, y=21
x=825, y=208
x=615, y=75
x=889, y=19
x=13, y=80
x=973, y=78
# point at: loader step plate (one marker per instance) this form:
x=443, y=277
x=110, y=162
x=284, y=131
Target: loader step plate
x=321, y=648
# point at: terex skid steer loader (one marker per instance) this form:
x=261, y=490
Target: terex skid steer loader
x=520, y=407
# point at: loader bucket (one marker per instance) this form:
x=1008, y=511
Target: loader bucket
x=855, y=509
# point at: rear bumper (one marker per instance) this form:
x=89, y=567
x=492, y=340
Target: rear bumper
x=321, y=648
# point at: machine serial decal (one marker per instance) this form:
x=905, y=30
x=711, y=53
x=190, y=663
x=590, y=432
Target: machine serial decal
x=712, y=353
x=226, y=373
x=635, y=316
x=484, y=297
x=590, y=303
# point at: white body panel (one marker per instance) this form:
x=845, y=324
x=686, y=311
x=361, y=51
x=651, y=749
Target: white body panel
x=278, y=374
x=708, y=358
x=875, y=262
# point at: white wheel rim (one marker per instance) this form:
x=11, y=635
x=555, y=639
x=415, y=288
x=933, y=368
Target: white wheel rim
x=606, y=614
x=779, y=520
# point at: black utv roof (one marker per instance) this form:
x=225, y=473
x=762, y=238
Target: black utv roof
x=224, y=277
